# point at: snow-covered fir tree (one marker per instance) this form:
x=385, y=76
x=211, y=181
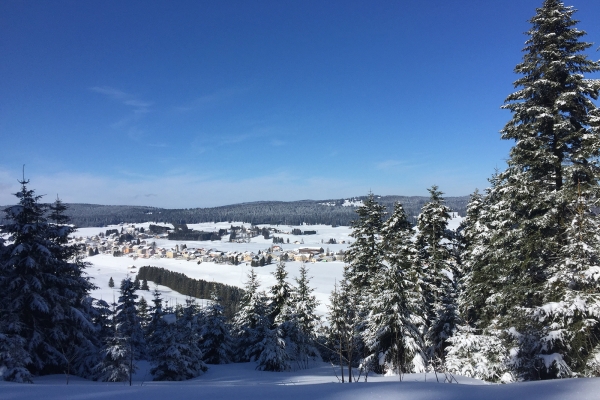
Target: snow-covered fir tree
x=216, y=342
x=13, y=357
x=153, y=333
x=251, y=320
x=471, y=229
x=476, y=351
x=364, y=255
x=301, y=322
x=279, y=293
x=43, y=292
x=478, y=355
x=395, y=323
x=439, y=288
x=126, y=344
x=117, y=364
x=273, y=355
x=521, y=270
x=568, y=317
x=305, y=303
x=127, y=320
x=102, y=319
x=176, y=354
x=344, y=326
x=143, y=312
x=364, y=260
x=258, y=338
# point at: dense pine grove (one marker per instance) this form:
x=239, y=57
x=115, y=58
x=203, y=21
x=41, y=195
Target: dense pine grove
x=512, y=294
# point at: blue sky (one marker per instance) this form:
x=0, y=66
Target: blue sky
x=206, y=103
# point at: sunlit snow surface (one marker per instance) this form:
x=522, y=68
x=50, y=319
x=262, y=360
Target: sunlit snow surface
x=242, y=381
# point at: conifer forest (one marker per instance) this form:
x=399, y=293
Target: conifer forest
x=512, y=295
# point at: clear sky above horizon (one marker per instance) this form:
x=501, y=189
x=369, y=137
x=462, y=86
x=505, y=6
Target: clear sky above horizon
x=206, y=103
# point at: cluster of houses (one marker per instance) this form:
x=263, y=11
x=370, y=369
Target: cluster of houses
x=136, y=243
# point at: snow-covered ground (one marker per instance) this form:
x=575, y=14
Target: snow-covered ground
x=242, y=381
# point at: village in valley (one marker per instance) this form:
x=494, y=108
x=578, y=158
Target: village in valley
x=154, y=242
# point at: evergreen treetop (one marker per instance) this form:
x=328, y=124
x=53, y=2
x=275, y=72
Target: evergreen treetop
x=364, y=256
x=554, y=122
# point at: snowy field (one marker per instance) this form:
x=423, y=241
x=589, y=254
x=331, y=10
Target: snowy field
x=242, y=381
x=324, y=275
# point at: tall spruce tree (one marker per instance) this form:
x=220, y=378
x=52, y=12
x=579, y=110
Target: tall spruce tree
x=127, y=343
x=43, y=292
x=304, y=303
x=279, y=293
x=127, y=319
x=476, y=349
x=344, y=326
x=117, y=359
x=394, y=327
x=439, y=288
x=518, y=269
x=216, y=341
x=251, y=322
x=153, y=332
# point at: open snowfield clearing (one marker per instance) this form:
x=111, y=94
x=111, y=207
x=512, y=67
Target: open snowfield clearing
x=242, y=381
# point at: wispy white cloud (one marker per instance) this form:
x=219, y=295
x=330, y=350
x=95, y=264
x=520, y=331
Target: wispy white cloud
x=395, y=165
x=234, y=139
x=139, y=106
x=207, y=141
x=159, y=144
x=210, y=99
x=137, y=109
x=277, y=142
x=109, y=91
x=135, y=133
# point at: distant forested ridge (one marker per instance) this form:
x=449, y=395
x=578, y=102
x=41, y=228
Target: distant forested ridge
x=328, y=212
x=230, y=295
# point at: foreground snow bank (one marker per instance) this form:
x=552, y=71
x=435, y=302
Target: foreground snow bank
x=242, y=381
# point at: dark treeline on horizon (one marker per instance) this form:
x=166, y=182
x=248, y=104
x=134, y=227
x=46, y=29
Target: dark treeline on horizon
x=262, y=212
